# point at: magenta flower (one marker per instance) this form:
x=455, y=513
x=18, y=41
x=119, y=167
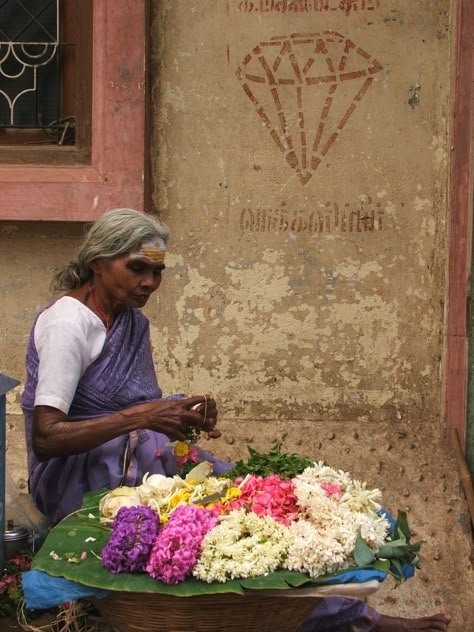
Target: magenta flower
x=22, y=561
x=269, y=496
x=331, y=489
x=191, y=456
x=178, y=544
x=133, y=534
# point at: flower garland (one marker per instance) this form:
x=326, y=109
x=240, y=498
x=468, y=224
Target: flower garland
x=242, y=545
x=178, y=544
x=132, y=538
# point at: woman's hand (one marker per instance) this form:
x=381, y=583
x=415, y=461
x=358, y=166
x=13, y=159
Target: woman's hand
x=173, y=416
x=54, y=435
x=208, y=411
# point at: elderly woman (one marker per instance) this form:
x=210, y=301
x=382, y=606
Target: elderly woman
x=95, y=415
x=94, y=412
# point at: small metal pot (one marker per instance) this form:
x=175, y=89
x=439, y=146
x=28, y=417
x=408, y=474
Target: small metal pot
x=18, y=540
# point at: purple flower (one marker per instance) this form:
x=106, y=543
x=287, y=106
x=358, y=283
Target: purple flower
x=178, y=544
x=133, y=534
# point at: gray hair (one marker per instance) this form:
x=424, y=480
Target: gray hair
x=116, y=233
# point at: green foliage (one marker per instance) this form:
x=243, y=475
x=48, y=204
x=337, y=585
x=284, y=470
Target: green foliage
x=192, y=434
x=274, y=462
x=397, y=550
x=363, y=554
x=398, y=547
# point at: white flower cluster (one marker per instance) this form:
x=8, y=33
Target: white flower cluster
x=164, y=493
x=334, y=509
x=242, y=545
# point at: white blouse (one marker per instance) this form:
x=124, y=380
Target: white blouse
x=68, y=338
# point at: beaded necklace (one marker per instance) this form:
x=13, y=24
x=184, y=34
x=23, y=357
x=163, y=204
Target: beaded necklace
x=103, y=314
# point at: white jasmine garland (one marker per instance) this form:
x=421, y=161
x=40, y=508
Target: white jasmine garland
x=373, y=529
x=359, y=498
x=319, y=472
x=242, y=545
x=334, y=509
x=312, y=551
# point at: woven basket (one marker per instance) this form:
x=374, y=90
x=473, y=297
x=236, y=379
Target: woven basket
x=152, y=612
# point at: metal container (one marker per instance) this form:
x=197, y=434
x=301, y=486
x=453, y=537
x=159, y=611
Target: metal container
x=18, y=540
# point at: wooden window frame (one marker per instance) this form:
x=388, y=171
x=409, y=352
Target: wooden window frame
x=27, y=145
x=460, y=225
x=116, y=172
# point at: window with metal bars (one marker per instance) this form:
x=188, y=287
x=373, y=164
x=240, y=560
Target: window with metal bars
x=45, y=53
x=107, y=166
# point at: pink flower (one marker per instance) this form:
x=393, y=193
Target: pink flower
x=192, y=455
x=158, y=453
x=6, y=582
x=22, y=561
x=331, y=489
x=178, y=543
x=269, y=496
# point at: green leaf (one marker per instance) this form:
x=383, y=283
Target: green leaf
x=272, y=462
x=363, y=554
x=397, y=550
x=381, y=565
x=402, y=525
x=398, y=566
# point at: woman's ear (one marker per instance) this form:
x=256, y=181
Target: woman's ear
x=95, y=266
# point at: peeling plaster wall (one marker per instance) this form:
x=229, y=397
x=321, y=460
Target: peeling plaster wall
x=306, y=282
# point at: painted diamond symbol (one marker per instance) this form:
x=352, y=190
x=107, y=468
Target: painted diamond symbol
x=305, y=88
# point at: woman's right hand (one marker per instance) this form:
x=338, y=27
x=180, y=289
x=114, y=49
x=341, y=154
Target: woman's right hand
x=173, y=416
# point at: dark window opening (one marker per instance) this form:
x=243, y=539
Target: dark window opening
x=45, y=76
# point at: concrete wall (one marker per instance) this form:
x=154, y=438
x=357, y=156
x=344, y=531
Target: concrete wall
x=304, y=178
x=301, y=160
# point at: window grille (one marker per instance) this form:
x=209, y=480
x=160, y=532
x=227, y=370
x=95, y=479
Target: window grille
x=31, y=57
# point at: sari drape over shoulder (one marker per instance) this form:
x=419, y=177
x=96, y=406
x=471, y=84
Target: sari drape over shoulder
x=122, y=375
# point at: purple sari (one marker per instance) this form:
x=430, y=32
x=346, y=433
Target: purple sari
x=122, y=375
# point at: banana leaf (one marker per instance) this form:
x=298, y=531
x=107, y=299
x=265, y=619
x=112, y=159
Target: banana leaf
x=61, y=553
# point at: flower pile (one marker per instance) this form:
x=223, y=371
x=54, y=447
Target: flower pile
x=219, y=529
x=178, y=545
x=134, y=534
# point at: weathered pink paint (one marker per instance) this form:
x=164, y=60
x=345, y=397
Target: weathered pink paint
x=457, y=326
x=115, y=176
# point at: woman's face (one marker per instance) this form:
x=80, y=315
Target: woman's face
x=128, y=281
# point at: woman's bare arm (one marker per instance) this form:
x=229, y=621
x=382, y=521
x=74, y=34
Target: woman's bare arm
x=54, y=435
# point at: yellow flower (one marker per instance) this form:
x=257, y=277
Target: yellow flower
x=181, y=449
x=179, y=497
x=231, y=493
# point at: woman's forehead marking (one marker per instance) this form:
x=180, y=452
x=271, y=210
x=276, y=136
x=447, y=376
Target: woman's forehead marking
x=154, y=251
